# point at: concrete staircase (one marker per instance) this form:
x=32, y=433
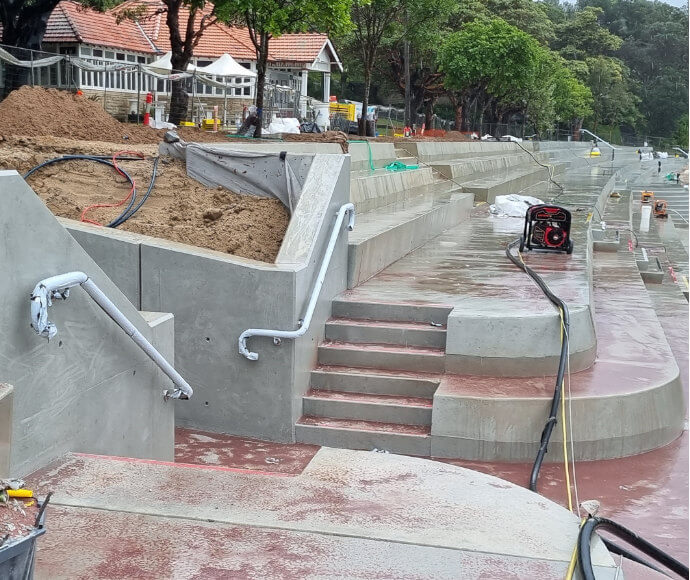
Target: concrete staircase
x=375, y=380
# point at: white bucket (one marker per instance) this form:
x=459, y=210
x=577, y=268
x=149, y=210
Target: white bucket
x=321, y=113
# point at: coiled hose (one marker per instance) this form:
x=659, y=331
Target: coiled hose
x=558, y=392
x=128, y=212
x=584, y=556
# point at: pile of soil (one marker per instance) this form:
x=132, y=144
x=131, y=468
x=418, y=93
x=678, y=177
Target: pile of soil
x=326, y=137
x=37, y=111
x=179, y=208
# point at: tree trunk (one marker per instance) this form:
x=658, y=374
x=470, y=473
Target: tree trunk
x=181, y=55
x=179, y=99
x=429, y=112
x=261, y=83
x=362, y=127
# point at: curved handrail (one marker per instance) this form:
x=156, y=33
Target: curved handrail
x=347, y=208
x=57, y=288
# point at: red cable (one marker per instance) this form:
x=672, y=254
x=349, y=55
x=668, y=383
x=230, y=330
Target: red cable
x=131, y=191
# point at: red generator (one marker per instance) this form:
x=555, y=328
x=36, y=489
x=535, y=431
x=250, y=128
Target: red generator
x=547, y=227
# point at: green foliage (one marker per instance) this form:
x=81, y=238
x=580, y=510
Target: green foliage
x=614, y=102
x=680, y=135
x=277, y=17
x=488, y=55
x=581, y=35
x=529, y=16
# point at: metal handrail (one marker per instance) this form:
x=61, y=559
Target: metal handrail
x=304, y=323
x=57, y=288
x=599, y=139
x=681, y=150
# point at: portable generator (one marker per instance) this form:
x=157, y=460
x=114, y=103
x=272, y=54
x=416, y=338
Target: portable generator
x=547, y=227
x=660, y=208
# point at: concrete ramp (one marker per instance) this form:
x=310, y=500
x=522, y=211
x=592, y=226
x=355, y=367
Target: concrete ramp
x=349, y=514
x=90, y=388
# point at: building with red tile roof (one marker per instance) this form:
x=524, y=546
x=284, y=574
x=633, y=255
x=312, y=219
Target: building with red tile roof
x=298, y=64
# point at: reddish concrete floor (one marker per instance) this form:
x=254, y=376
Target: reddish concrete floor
x=203, y=448
x=647, y=493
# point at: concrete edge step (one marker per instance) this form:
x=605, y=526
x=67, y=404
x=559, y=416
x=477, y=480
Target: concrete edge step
x=400, y=333
x=382, y=356
x=368, y=407
x=379, y=249
x=343, y=307
x=347, y=434
x=374, y=381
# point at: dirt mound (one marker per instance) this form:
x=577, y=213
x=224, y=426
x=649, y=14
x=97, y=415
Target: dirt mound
x=179, y=208
x=34, y=111
x=327, y=137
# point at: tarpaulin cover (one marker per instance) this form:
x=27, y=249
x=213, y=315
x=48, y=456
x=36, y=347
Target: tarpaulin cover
x=264, y=174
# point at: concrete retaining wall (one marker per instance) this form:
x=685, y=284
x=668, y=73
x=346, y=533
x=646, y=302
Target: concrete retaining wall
x=215, y=297
x=428, y=151
x=89, y=389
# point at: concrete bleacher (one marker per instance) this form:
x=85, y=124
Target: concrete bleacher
x=385, y=377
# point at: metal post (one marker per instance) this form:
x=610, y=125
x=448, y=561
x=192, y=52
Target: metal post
x=139, y=79
x=408, y=105
x=31, y=54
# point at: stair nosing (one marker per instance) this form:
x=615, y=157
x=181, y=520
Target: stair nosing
x=384, y=347
x=427, y=428
x=313, y=394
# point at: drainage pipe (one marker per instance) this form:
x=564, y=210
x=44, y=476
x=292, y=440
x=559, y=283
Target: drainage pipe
x=304, y=323
x=57, y=288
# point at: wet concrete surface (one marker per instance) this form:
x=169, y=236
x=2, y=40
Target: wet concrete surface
x=348, y=514
x=204, y=448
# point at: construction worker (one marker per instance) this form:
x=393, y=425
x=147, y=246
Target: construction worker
x=658, y=171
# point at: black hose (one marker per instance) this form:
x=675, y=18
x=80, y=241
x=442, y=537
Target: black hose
x=125, y=216
x=563, y=308
x=616, y=549
x=128, y=212
x=584, y=555
x=97, y=160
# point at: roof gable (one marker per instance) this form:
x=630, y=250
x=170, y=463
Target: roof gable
x=71, y=22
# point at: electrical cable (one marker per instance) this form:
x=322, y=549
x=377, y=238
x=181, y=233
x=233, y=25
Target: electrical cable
x=122, y=218
x=549, y=167
x=551, y=421
x=628, y=536
x=129, y=211
x=131, y=196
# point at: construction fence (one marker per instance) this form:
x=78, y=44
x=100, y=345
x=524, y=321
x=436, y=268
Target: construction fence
x=121, y=87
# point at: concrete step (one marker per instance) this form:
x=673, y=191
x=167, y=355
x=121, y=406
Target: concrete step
x=386, y=234
x=371, y=190
x=385, y=332
x=382, y=356
x=368, y=407
x=342, y=307
x=351, y=434
x=374, y=381
x=512, y=181
x=472, y=168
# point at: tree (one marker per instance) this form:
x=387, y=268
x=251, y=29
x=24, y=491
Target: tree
x=266, y=19
x=581, y=36
x=187, y=20
x=372, y=19
x=421, y=29
x=614, y=102
x=485, y=61
x=680, y=135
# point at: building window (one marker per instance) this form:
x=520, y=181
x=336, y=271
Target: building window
x=109, y=54
x=131, y=58
x=97, y=52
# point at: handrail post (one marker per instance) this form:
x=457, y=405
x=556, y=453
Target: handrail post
x=303, y=324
